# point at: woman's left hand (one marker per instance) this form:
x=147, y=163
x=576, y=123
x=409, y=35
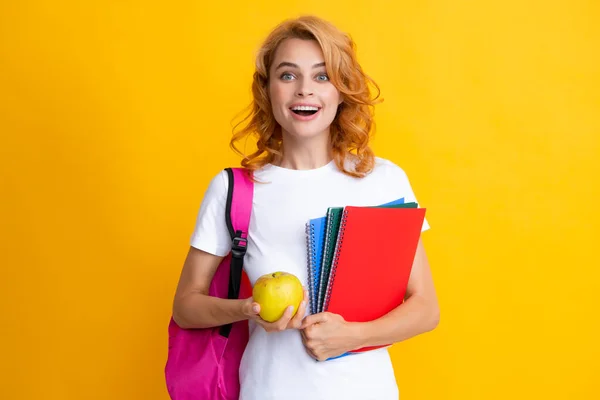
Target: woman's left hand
x=327, y=335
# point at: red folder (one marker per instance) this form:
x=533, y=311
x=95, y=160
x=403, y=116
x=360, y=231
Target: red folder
x=373, y=260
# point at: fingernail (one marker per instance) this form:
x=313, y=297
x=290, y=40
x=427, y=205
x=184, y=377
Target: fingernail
x=255, y=308
x=290, y=308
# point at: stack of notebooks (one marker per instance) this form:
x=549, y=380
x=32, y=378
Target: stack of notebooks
x=360, y=259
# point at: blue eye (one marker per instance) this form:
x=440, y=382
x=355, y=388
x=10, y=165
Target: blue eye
x=326, y=78
x=287, y=76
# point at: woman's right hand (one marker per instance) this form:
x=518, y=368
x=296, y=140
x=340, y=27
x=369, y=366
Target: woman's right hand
x=251, y=309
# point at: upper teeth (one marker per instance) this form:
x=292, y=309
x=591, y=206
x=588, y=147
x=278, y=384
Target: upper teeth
x=305, y=108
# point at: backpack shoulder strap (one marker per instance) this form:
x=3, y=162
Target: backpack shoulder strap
x=237, y=215
x=239, y=203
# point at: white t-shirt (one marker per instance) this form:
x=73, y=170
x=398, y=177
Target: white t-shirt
x=275, y=366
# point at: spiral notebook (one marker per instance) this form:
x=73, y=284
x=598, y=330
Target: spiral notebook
x=321, y=239
x=334, y=218
x=373, y=258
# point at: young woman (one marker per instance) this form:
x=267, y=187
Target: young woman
x=312, y=116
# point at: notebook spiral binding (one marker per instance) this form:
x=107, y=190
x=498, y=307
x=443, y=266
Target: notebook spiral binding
x=334, y=262
x=311, y=262
x=322, y=281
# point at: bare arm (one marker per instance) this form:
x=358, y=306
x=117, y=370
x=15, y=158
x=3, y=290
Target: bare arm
x=192, y=306
x=418, y=314
x=328, y=335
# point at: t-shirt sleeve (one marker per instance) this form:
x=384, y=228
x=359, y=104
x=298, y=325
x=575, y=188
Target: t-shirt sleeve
x=210, y=233
x=399, y=175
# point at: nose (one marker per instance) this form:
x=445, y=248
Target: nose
x=304, y=88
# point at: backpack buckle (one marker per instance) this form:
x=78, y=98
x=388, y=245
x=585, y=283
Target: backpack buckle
x=239, y=245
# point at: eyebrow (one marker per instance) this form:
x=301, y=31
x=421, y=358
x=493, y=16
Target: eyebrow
x=292, y=65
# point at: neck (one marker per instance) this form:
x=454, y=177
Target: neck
x=304, y=154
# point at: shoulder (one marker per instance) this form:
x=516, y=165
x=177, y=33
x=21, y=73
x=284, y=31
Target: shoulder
x=219, y=183
x=211, y=234
x=383, y=170
x=387, y=169
x=392, y=178
x=218, y=186
x=380, y=164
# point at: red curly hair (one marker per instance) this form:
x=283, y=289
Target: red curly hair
x=352, y=127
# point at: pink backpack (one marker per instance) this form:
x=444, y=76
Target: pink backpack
x=203, y=364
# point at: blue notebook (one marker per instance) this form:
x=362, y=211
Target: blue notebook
x=315, y=236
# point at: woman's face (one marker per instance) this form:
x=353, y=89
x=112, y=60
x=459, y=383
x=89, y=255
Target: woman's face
x=303, y=100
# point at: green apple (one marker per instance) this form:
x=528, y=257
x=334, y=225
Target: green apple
x=275, y=292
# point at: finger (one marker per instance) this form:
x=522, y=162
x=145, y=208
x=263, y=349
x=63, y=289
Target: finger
x=296, y=322
x=282, y=323
x=303, y=302
x=305, y=344
x=285, y=319
x=311, y=354
x=254, y=314
x=271, y=326
x=279, y=325
x=267, y=326
x=314, y=319
x=252, y=309
x=303, y=336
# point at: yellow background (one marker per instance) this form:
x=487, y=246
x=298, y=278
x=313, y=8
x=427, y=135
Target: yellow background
x=114, y=115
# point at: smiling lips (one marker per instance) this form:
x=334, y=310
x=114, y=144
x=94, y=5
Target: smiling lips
x=305, y=112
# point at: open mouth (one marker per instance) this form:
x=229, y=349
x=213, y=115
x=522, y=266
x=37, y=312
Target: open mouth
x=305, y=111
